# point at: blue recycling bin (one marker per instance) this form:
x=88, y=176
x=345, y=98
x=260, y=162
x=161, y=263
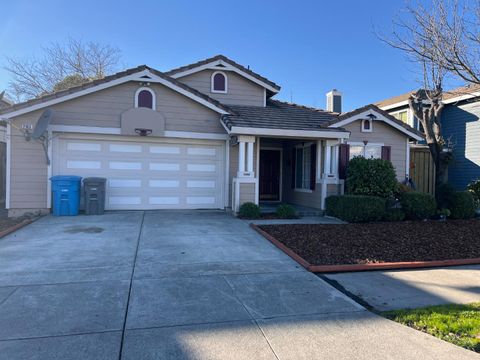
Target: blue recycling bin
x=66, y=195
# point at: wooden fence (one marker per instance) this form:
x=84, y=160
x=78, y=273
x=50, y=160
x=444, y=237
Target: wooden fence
x=422, y=169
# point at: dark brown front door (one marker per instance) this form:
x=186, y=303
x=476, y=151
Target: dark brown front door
x=269, y=175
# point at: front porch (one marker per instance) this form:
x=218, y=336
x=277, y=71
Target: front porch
x=300, y=171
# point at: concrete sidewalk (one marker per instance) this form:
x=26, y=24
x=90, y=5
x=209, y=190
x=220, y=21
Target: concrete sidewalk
x=400, y=289
x=179, y=285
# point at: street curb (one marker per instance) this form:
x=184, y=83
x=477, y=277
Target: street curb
x=362, y=267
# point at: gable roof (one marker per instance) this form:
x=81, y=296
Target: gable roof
x=222, y=60
x=139, y=73
x=358, y=114
x=450, y=96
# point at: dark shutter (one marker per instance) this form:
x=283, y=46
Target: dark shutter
x=313, y=166
x=294, y=160
x=343, y=158
x=386, y=153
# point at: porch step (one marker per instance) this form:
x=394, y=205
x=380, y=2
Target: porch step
x=301, y=211
x=310, y=212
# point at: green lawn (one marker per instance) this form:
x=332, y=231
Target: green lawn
x=458, y=324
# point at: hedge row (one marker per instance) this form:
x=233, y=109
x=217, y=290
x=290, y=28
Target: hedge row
x=356, y=208
x=414, y=206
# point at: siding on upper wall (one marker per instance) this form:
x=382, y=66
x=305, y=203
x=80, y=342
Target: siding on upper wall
x=383, y=133
x=28, y=177
x=240, y=91
x=461, y=127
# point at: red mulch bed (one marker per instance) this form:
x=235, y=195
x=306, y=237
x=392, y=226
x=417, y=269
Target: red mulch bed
x=381, y=242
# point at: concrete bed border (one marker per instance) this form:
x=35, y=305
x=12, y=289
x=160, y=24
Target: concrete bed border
x=361, y=267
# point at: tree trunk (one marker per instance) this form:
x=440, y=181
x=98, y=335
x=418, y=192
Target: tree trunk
x=441, y=164
x=429, y=114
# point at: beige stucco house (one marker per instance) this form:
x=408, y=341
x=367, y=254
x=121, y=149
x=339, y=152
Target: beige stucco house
x=206, y=135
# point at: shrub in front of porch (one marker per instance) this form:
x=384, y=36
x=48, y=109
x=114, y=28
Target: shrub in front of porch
x=286, y=211
x=249, y=210
x=374, y=177
x=355, y=208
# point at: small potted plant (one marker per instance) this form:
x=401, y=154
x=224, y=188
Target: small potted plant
x=443, y=214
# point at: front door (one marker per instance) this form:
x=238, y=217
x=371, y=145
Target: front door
x=270, y=175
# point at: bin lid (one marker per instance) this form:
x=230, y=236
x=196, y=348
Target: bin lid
x=66, y=178
x=94, y=180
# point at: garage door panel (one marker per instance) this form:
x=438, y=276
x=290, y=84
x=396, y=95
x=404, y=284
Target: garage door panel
x=161, y=175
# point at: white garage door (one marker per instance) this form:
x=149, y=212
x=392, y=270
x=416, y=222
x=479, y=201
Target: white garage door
x=168, y=174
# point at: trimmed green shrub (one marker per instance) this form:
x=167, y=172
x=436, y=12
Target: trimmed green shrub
x=373, y=177
x=355, y=208
x=418, y=206
x=249, y=210
x=463, y=205
x=394, y=214
x=286, y=211
x=444, y=196
x=474, y=188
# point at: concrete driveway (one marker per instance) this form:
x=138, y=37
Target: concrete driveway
x=179, y=285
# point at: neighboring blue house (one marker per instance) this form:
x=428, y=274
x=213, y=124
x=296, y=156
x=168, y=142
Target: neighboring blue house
x=460, y=127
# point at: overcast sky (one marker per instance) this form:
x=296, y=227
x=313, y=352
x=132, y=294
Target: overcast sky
x=307, y=47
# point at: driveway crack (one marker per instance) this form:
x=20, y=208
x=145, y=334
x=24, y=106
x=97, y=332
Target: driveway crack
x=130, y=286
x=252, y=317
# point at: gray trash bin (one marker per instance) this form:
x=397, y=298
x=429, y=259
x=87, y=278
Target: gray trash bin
x=94, y=188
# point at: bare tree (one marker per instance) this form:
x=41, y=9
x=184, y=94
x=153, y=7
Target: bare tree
x=427, y=106
x=440, y=40
x=447, y=33
x=59, y=66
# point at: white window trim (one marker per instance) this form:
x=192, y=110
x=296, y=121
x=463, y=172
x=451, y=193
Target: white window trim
x=302, y=146
x=357, y=143
x=371, y=125
x=154, y=97
x=410, y=116
x=226, y=83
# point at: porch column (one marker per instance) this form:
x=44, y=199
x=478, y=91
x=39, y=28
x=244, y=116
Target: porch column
x=330, y=170
x=245, y=150
x=241, y=158
x=245, y=185
x=327, y=164
x=336, y=151
x=250, y=157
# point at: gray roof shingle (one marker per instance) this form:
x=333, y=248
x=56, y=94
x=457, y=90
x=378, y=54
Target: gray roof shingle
x=280, y=115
